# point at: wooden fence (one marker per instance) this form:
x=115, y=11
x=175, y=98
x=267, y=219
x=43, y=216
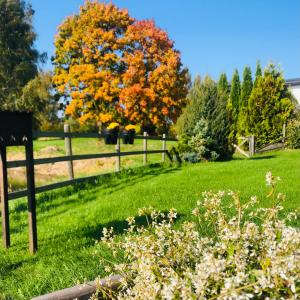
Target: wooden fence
x=253, y=149
x=67, y=135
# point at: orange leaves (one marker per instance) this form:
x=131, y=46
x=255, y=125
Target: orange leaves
x=112, y=68
x=155, y=67
x=105, y=118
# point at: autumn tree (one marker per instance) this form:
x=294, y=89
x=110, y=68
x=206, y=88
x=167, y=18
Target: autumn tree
x=113, y=68
x=88, y=61
x=19, y=58
x=155, y=84
x=269, y=106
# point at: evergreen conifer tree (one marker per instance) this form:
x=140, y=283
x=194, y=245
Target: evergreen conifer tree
x=233, y=105
x=220, y=120
x=269, y=106
x=258, y=72
x=246, y=89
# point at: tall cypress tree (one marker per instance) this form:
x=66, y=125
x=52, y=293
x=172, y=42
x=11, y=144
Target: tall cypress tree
x=191, y=113
x=18, y=63
x=258, y=72
x=223, y=85
x=220, y=121
x=233, y=105
x=246, y=89
x=269, y=106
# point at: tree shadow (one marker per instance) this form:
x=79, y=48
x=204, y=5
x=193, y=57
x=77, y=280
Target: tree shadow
x=263, y=157
x=254, y=157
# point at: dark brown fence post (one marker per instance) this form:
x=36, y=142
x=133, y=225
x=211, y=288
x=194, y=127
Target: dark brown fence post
x=145, y=144
x=4, y=197
x=118, y=158
x=164, y=147
x=31, y=197
x=68, y=148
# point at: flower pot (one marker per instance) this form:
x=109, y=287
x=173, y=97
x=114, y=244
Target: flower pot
x=110, y=136
x=128, y=137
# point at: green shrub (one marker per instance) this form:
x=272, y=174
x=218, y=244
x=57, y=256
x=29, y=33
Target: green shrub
x=207, y=103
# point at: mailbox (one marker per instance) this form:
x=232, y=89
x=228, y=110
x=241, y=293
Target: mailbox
x=15, y=128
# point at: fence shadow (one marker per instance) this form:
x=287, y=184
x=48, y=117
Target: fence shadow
x=108, y=183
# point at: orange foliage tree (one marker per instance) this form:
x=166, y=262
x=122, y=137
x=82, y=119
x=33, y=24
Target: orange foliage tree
x=113, y=68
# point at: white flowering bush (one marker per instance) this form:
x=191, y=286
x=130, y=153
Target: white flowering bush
x=235, y=251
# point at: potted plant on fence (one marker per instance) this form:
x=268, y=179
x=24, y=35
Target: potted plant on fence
x=111, y=134
x=128, y=134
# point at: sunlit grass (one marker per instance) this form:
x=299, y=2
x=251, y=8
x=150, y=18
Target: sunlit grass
x=70, y=220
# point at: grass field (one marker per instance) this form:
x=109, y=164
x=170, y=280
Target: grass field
x=71, y=220
x=49, y=173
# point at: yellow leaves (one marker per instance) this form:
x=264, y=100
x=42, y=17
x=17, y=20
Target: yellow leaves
x=105, y=118
x=105, y=62
x=84, y=118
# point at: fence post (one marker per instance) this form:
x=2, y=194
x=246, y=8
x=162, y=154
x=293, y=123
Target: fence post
x=283, y=134
x=31, y=198
x=145, y=148
x=118, y=157
x=4, y=197
x=251, y=145
x=164, y=147
x=68, y=149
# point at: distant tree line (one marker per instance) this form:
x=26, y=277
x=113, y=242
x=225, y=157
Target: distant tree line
x=219, y=113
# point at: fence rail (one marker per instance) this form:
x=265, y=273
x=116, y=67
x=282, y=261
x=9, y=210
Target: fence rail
x=56, y=134
x=50, y=160
x=69, y=157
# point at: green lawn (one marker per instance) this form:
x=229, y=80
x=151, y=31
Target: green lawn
x=70, y=220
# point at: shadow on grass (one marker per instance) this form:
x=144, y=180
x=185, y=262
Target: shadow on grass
x=263, y=157
x=89, y=234
x=74, y=195
x=259, y=157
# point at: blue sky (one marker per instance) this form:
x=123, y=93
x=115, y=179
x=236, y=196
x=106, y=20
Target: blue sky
x=213, y=36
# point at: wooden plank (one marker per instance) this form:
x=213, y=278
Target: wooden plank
x=118, y=157
x=154, y=138
x=50, y=160
x=243, y=142
x=271, y=147
x=68, y=149
x=145, y=148
x=4, y=198
x=241, y=150
x=164, y=147
x=31, y=198
x=270, y=144
x=57, y=185
x=83, y=291
x=54, y=134
x=251, y=145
